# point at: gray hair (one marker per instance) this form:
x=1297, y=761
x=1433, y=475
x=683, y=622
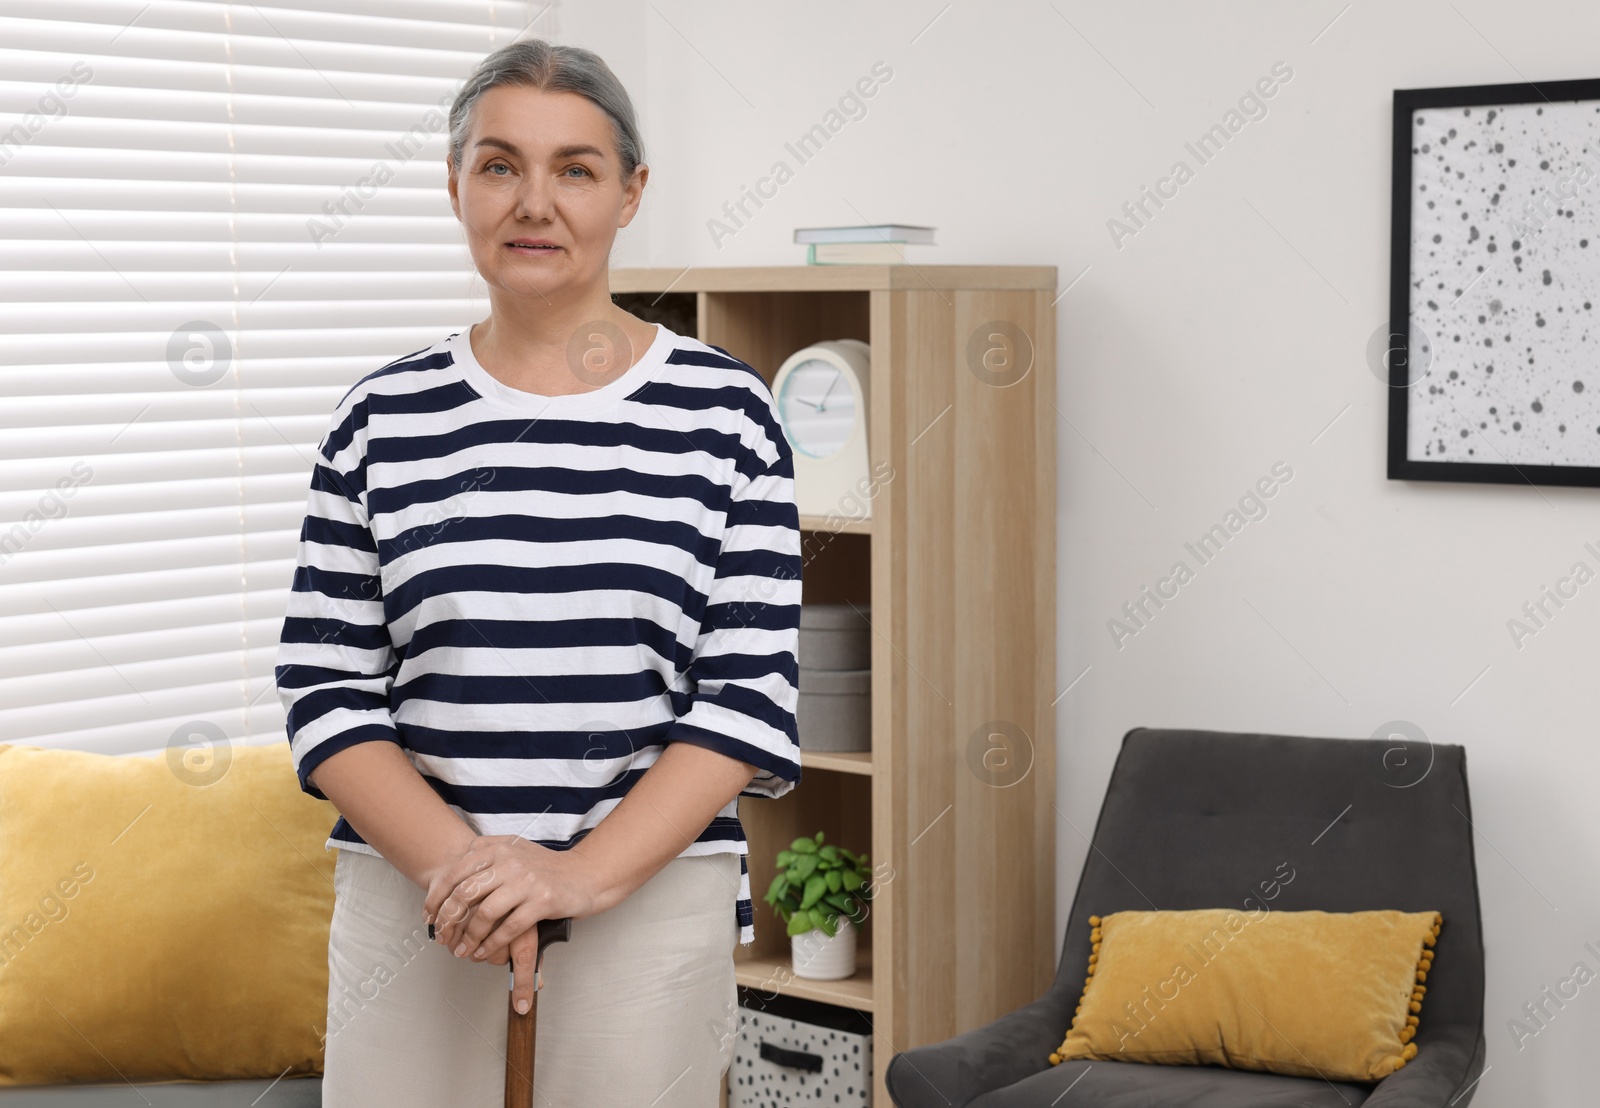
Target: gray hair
x=535, y=63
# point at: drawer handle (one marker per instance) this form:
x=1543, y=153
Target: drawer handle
x=794, y=1059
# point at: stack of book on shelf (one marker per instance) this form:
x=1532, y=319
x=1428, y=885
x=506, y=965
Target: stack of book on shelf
x=882, y=244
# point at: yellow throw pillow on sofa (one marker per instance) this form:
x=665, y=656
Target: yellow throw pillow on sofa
x=1336, y=995
x=161, y=920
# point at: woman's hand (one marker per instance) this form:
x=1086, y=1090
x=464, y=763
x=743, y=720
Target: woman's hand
x=500, y=888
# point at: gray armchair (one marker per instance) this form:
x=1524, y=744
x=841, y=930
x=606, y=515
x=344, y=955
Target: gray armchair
x=1197, y=819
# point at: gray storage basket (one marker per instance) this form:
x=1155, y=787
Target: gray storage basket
x=835, y=709
x=796, y=1051
x=835, y=636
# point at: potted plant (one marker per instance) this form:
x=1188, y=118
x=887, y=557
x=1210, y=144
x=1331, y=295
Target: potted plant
x=821, y=891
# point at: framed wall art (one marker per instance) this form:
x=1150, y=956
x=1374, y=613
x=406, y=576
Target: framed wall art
x=1494, y=295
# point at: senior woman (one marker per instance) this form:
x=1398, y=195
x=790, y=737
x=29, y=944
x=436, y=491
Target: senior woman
x=540, y=640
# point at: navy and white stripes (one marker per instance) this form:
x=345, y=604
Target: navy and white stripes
x=532, y=595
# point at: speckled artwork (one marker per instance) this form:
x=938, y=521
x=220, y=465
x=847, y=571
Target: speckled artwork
x=1505, y=284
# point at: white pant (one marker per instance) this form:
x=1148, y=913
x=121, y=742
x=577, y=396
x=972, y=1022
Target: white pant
x=637, y=1010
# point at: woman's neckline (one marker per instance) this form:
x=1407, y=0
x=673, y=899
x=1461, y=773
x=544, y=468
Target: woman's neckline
x=500, y=394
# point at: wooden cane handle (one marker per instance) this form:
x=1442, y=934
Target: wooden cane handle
x=522, y=1030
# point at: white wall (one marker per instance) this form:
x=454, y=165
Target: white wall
x=1221, y=339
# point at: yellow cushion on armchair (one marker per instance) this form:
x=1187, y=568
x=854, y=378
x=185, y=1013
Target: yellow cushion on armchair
x=161, y=920
x=1335, y=995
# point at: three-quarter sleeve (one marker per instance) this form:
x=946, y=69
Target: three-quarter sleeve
x=336, y=662
x=744, y=677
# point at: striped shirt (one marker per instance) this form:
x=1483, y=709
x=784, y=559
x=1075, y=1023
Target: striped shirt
x=533, y=595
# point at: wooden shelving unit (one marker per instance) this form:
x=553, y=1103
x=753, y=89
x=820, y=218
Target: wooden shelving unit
x=955, y=802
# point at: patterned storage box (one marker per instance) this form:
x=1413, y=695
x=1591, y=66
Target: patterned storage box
x=795, y=1051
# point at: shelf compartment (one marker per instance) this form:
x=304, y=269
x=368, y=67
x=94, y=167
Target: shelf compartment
x=841, y=804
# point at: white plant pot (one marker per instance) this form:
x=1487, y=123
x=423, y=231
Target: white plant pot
x=817, y=955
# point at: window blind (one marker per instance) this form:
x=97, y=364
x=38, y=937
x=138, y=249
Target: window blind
x=214, y=218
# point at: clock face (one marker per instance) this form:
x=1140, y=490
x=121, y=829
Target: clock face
x=818, y=408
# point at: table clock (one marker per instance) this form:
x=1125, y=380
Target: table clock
x=822, y=393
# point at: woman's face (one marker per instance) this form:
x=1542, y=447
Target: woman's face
x=541, y=165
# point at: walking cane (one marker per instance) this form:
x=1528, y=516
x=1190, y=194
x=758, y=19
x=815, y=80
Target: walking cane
x=520, y=1029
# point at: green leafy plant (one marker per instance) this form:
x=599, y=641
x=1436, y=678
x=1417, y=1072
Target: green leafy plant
x=817, y=883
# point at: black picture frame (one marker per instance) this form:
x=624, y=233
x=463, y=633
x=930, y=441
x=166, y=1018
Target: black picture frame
x=1510, y=467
